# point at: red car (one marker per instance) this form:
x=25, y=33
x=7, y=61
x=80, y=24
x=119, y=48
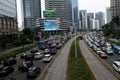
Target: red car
x=103, y=55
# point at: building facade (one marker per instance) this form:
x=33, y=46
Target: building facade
x=83, y=19
x=115, y=7
x=60, y=7
x=31, y=11
x=75, y=17
x=8, y=17
x=101, y=17
x=108, y=15
x=89, y=17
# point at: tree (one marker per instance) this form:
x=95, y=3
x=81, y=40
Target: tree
x=28, y=33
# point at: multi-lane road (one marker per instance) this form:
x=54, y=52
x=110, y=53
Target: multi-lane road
x=100, y=72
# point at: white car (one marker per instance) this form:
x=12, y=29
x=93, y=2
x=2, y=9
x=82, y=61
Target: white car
x=38, y=55
x=109, y=51
x=47, y=58
x=47, y=51
x=98, y=50
x=116, y=66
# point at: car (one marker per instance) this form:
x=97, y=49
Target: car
x=38, y=55
x=29, y=56
x=22, y=56
x=6, y=70
x=103, y=48
x=9, y=62
x=33, y=72
x=116, y=66
x=47, y=51
x=24, y=66
x=34, y=51
x=9, y=78
x=47, y=58
x=103, y=55
x=53, y=51
x=109, y=51
x=98, y=50
x=59, y=45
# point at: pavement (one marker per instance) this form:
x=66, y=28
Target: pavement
x=12, y=49
x=57, y=71
x=98, y=69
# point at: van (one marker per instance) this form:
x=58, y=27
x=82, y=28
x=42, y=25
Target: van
x=116, y=66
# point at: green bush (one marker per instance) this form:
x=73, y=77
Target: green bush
x=78, y=68
x=12, y=53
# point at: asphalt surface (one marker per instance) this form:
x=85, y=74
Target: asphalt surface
x=57, y=71
x=100, y=72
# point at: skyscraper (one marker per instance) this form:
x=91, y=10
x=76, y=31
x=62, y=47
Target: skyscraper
x=8, y=17
x=89, y=17
x=60, y=7
x=75, y=12
x=31, y=11
x=115, y=7
x=108, y=15
x=101, y=17
x=83, y=19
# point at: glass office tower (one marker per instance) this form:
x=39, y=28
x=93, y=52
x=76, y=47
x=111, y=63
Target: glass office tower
x=31, y=11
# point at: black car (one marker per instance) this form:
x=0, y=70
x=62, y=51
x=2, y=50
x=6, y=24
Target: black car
x=4, y=71
x=9, y=62
x=34, y=51
x=33, y=72
x=22, y=56
x=9, y=78
x=24, y=66
x=29, y=56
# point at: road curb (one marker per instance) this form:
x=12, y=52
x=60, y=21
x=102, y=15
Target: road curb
x=117, y=75
x=44, y=72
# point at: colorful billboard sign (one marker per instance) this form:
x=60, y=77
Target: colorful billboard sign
x=50, y=25
x=49, y=13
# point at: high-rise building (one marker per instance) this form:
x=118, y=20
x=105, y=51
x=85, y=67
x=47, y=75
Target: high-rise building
x=108, y=15
x=83, y=19
x=115, y=7
x=94, y=23
x=89, y=17
x=75, y=12
x=8, y=17
x=101, y=17
x=60, y=7
x=31, y=11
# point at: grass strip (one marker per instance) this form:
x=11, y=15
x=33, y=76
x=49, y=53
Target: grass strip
x=78, y=68
x=15, y=52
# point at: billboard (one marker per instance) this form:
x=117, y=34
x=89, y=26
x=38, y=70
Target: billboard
x=50, y=25
x=49, y=13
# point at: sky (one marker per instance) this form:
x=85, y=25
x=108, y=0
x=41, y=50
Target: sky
x=89, y=5
x=94, y=5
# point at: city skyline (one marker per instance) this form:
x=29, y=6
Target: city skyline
x=94, y=5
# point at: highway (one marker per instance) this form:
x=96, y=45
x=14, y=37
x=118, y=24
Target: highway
x=100, y=72
x=58, y=69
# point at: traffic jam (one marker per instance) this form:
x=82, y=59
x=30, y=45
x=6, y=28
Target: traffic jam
x=30, y=64
x=107, y=51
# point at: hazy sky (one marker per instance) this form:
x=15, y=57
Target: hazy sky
x=94, y=5
x=89, y=5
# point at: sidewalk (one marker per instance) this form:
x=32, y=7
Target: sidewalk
x=12, y=49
